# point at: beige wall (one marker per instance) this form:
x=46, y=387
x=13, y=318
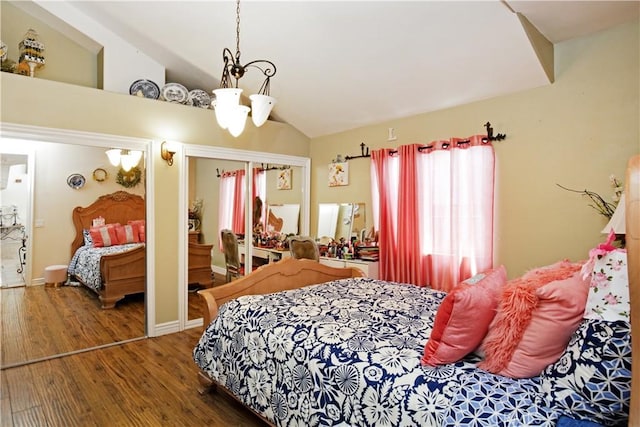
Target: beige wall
x=65, y=60
x=38, y=102
x=575, y=132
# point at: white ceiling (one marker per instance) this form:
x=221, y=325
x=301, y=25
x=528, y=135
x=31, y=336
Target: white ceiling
x=346, y=64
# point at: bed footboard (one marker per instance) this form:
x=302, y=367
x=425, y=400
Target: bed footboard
x=283, y=275
x=122, y=274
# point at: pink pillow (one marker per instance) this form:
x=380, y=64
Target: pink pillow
x=139, y=225
x=127, y=234
x=463, y=317
x=536, y=317
x=104, y=235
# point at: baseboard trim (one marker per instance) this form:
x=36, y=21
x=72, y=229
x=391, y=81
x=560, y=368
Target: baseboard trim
x=166, y=328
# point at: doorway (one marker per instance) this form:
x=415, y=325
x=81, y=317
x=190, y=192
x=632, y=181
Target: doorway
x=16, y=199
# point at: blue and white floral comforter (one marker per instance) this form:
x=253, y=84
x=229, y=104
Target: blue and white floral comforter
x=85, y=263
x=348, y=353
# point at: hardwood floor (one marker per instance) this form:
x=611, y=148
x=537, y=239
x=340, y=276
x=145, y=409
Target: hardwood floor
x=151, y=382
x=39, y=321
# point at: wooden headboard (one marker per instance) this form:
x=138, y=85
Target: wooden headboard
x=115, y=207
x=632, y=228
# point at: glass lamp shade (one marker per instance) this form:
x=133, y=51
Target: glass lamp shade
x=137, y=155
x=129, y=159
x=114, y=156
x=226, y=100
x=238, y=119
x=617, y=221
x=261, y=106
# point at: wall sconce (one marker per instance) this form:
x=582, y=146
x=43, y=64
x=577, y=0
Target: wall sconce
x=167, y=151
x=126, y=159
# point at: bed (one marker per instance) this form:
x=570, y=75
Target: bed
x=116, y=270
x=299, y=343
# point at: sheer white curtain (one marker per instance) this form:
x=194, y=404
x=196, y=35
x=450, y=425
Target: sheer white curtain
x=231, y=202
x=433, y=207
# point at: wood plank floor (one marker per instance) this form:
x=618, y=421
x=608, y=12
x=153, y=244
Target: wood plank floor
x=151, y=382
x=39, y=321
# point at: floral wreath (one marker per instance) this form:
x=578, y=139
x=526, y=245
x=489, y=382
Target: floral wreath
x=129, y=179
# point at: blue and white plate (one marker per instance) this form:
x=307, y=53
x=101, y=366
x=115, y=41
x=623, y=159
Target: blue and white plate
x=76, y=181
x=145, y=88
x=175, y=92
x=200, y=98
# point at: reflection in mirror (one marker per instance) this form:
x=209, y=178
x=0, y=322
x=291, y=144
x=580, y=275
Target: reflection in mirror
x=41, y=321
x=283, y=219
x=340, y=220
x=15, y=200
x=210, y=194
x=212, y=180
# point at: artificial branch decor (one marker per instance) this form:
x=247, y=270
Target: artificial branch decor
x=603, y=207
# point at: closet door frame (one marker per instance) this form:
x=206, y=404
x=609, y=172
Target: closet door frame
x=250, y=159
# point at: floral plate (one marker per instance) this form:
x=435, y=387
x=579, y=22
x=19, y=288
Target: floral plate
x=145, y=88
x=200, y=98
x=76, y=181
x=175, y=92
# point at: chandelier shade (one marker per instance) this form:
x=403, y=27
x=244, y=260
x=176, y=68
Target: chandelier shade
x=237, y=120
x=126, y=159
x=261, y=106
x=224, y=104
x=227, y=98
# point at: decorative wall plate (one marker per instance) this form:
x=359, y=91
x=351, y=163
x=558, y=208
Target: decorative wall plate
x=145, y=88
x=100, y=175
x=174, y=92
x=200, y=98
x=76, y=181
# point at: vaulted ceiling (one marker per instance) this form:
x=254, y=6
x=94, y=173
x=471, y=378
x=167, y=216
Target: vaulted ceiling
x=347, y=64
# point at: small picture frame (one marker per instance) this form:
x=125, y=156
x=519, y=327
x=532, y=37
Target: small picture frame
x=338, y=174
x=284, y=179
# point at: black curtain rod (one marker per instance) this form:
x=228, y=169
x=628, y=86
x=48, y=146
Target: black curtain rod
x=490, y=137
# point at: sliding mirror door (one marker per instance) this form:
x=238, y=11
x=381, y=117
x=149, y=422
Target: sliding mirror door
x=212, y=183
x=41, y=321
x=226, y=188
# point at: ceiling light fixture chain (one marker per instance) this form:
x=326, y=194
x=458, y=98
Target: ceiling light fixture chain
x=230, y=114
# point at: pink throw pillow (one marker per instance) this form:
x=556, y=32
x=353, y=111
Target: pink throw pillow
x=463, y=318
x=536, y=317
x=127, y=234
x=139, y=225
x=104, y=235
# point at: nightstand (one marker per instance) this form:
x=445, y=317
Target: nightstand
x=194, y=237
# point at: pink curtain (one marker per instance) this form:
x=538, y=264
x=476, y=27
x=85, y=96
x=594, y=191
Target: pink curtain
x=434, y=211
x=238, y=203
x=231, y=202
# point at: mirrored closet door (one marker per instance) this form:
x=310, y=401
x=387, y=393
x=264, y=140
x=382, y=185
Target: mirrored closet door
x=210, y=186
x=41, y=320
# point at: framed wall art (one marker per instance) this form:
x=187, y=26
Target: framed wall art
x=284, y=179
x=338, y=174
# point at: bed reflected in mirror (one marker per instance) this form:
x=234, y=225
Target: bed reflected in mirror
x=43, y=320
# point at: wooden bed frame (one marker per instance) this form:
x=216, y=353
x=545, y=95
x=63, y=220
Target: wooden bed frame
x=283, y=275
x=290, y=273
x=124, y=273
